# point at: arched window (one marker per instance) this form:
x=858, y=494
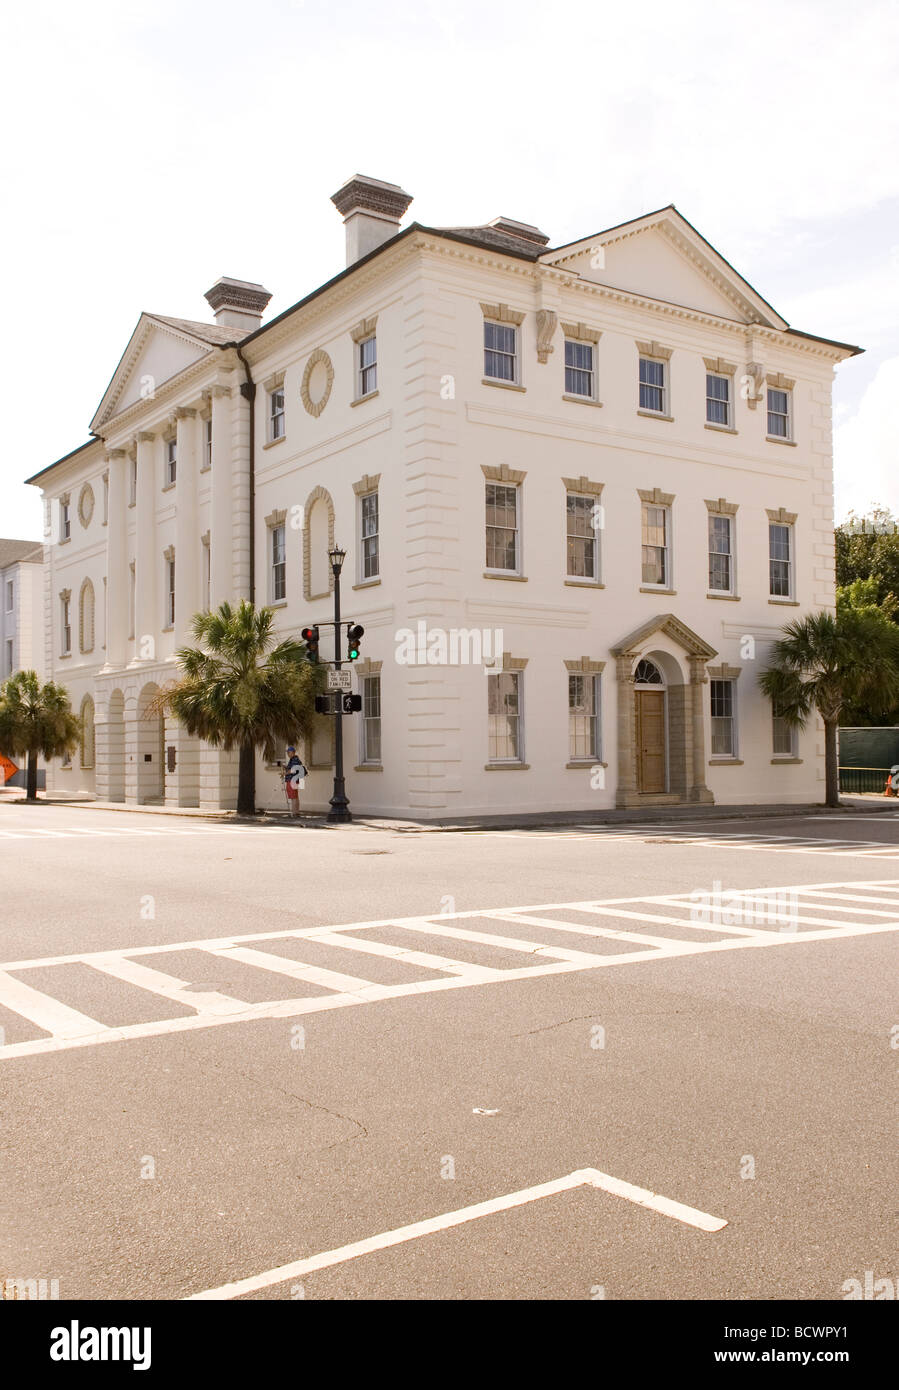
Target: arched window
x=86, y=617
x=647, y=673
x=87, y=732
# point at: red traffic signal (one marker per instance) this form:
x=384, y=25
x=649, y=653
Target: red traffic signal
x=310, y=637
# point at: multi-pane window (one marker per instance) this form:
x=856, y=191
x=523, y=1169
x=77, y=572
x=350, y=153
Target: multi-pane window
x=504, y=717
x=9, y=657
x=500, y=351
x=583, y=718
x=780, y=561
x=724, y=744
x=368, y=365
x=279, y=564
x=656, y=526
x=579, y=378
x=207, y=443
x=717, y=400
x=171, y=462
x=132, y=597
x=105, y=498
x=65, y=521
x=783, y=735
x=170, y=592
x=132, y=489
x=652, y=385
x=371, y=719
x=66, y=623
x=207, y=576
x=721, y=556
x=9, y=595
x=502, y=527
x=778, y=413
x=369, y=536
x=276, y=421
x=582, y=537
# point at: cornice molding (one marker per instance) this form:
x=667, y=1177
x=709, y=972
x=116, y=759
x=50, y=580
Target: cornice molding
x=718, y=507
x=503, y=473
x=585, y=665
x=584, y=486
x=656, y=497
x=781, y=517
x=366, y=484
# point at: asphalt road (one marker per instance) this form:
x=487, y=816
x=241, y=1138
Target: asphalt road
x=160, y=1140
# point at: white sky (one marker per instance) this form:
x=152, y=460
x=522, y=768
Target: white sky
x=153, y=145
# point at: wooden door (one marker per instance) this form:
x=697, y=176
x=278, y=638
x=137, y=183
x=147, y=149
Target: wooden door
x=650, y=740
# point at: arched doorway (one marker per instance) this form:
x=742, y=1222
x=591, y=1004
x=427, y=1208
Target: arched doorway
x=651, y=723
x=150, y=749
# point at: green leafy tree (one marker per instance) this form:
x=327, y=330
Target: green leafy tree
x=36, y=721
x=868, y=548
x=240, y=689
x=830, y=663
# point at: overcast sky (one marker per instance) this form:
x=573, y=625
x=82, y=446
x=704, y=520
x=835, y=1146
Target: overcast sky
x=152, y=146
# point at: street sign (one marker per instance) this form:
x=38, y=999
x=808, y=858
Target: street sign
x=8, y=768
x=340, y=680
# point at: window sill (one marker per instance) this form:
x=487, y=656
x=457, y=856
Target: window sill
x=369, y=767
x=169, y=627
x=582, y=400
x=583, y=584
x=507, y=767
x=785, y=602
x=65, y=656
x=721, y=429
x=656, y=415
x=656, y=589
x=278, y=603
x=775, y=761
x=131, y=505
x=270, y=443
x=728, y=598
x=775, y=439
x=169, y=487
x=367, y=583
x=497, y=574
x=103, y=522
x=585, y=765
x=64, y=540
x=725, y=762
x=207, y=468
x=503, y=385
x=360, y=400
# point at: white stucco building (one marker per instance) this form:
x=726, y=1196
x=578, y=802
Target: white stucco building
x=21, y=607
x=615, y=453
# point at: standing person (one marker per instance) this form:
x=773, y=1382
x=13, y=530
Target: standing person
x=294, y=776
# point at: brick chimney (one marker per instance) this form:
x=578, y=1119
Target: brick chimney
x=237, y=304
x=371, y=211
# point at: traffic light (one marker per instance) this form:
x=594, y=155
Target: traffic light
x=323, y=704
x=350, y=704
x=310, y=637
x=354, y=637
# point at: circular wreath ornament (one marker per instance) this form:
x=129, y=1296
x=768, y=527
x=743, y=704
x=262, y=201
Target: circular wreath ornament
x=86, y=505
x=318, y=378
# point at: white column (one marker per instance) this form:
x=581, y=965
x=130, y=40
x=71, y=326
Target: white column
x=187, y=540
x=118, y=580
x=146, y=629
x=222, y=586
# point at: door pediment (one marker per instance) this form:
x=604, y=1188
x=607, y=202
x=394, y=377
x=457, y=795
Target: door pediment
x=688, y=640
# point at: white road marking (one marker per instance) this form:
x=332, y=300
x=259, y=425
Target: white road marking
x=68, y=1028
x=582, y=1177
x=774, y=844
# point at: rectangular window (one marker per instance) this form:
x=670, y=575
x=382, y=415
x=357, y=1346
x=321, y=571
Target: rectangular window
x=780, y=561
x=504, y=718
x=66, y=627
x=656, y=525
x=65, y=521
x=722, y=697
x=8, y=670
x=501, y=351
x=583, y=538
x=207, y=576
x=171, y=461
x=105, y=499
x=584, y=743
x=783, y=736
x=778, y=414
x=207, y=443
x=370, y=539
x=502, y=528
x=368, y=366
x=652, y=385
x=579, y=377
x=9, y=596
x=132, y=600
x=276, y=421
x=279, y=564
x=371, y=719
x=721, y=558
x=132, y=493
x=717, y=400
x=170, y=593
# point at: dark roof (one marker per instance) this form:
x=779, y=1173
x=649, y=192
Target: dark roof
x=20, y=552
x=493, y=239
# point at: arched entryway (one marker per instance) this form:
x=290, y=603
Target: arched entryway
x=150, y=748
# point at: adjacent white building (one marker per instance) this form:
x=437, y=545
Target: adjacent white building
x=580, y=488
x=21, y=607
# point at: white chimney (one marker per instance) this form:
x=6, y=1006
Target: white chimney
x=237, y=304
x=371, y=211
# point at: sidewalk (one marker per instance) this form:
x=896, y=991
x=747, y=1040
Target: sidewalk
x=863, y=802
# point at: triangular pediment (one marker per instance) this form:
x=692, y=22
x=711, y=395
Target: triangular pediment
x=158, y=349
x=688, y=640
x=661, y=256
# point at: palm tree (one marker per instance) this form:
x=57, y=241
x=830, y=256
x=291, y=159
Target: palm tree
x=241, y=690
x=36, y=720
x=827, y=662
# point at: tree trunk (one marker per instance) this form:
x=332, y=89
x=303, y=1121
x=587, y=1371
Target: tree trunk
x=831, y=765
x=31, y=778
x=246, y=780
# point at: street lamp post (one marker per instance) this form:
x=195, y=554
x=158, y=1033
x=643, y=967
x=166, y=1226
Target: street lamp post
x=340, y=807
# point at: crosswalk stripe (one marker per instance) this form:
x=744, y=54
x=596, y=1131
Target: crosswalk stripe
x=129, y=971
x=43, y=1010
x=283, y=965
x=400, y=953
